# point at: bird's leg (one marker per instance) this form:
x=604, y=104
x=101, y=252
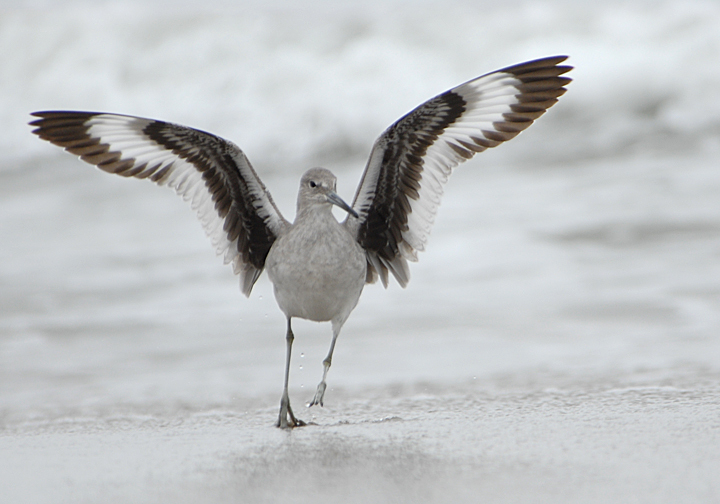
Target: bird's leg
x=318, y=399
x=285, y=409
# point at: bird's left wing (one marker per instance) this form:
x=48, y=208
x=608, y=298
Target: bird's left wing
x=400, y=190
x=213, y=174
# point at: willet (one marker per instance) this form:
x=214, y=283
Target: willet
x=318, y=266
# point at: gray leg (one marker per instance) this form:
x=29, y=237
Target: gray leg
x=285, y=409
x=318, y=399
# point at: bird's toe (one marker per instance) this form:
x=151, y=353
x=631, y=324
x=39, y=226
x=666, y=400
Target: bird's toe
x=318, y=399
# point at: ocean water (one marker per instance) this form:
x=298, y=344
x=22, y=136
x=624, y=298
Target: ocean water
x=559, y=340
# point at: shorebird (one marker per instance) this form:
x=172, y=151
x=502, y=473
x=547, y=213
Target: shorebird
x=317, y=265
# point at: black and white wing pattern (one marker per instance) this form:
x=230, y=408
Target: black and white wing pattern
x=213, y=174
x=400, y=191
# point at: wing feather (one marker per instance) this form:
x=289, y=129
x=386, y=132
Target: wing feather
x=212, y=174
x=402, y=186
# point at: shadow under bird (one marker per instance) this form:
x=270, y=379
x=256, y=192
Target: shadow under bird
x=317, y=265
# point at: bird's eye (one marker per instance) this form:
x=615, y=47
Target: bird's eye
x=312, y=183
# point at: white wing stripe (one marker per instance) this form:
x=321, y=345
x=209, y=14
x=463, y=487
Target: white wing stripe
x=193, y=163
x=421, y=149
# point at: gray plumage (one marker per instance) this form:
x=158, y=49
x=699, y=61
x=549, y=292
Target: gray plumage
x=318, y=266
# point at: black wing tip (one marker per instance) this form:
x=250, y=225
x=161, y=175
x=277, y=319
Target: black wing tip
x=543, y=75
x=54, y=114
x=551, y=60
x=539, y=64
x=49, y=119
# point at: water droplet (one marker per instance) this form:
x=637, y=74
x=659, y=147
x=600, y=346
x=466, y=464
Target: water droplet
x=474, y=377
x=302, y=355
x=300, y=366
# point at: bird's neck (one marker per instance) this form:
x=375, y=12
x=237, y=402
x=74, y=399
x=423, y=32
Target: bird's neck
x=314, y=213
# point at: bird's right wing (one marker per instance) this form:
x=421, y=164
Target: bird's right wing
x=236, y=210
x=400, y=190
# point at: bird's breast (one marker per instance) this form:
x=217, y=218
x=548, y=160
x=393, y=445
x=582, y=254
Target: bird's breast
x=317, y=272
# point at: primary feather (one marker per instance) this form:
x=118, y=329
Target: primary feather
x=213, y=174
x=402, y=185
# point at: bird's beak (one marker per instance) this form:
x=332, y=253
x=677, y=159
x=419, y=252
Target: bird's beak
x=337, y=200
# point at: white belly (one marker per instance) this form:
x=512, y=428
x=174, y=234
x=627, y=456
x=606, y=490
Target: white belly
x=317, y=276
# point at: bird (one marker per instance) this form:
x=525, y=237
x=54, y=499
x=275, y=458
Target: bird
x=318, y=265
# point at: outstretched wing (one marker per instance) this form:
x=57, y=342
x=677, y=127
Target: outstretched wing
x=213, y=174
x=400, y=191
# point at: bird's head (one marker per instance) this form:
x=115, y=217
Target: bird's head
x=317, y=189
